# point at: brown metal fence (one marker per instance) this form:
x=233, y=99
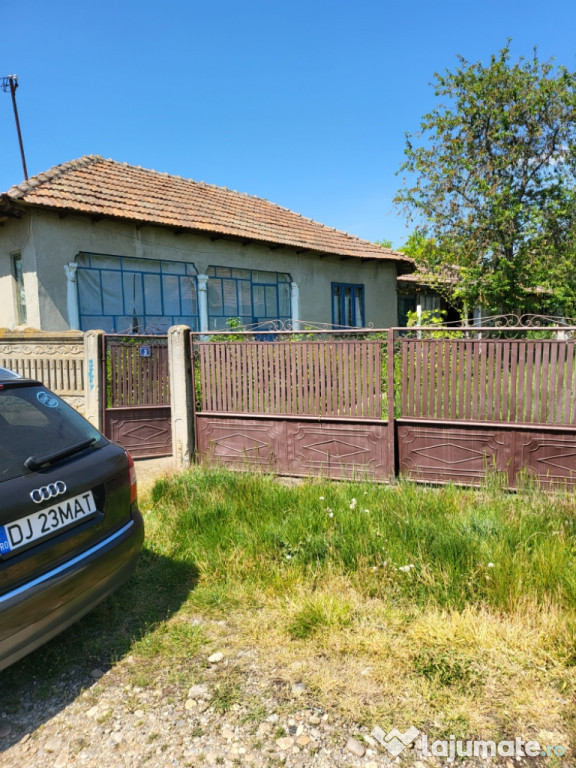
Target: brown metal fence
x=499, y=380
x=435, y=405
x=340, y=379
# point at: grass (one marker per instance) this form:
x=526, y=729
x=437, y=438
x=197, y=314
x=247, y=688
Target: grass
x=449, y=609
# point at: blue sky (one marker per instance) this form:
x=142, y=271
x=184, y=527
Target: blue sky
x=304, y=103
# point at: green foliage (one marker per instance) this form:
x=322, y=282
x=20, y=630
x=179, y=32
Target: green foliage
x=248, y=534
x=234, y=324
x=430, y=318
x=490, y=184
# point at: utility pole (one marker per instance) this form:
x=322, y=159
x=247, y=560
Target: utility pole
x=10, y=83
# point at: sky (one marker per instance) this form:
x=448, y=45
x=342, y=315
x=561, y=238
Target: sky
x=305, y=103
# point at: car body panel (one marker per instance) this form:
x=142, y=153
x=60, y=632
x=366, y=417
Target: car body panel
x=51, y=582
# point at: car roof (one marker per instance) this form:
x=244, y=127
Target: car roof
x=6, y=373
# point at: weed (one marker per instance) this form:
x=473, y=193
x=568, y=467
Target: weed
x=256, y=712
x=318, y=613
x=446, y=667
x=225, y=694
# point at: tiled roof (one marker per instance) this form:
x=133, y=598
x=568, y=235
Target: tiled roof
x=421, y=277
x=96, y=186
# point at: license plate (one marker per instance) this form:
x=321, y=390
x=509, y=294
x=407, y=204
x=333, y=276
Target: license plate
x=38, y=525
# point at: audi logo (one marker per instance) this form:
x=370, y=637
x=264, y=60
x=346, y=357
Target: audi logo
x=38, y=495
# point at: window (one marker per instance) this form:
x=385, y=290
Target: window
x=20, y=292
x=348, y=305
x=122, y=295
x=253, y=296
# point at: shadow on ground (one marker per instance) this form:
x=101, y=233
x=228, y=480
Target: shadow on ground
x=39, y=686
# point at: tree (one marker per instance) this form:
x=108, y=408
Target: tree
x=491, y=184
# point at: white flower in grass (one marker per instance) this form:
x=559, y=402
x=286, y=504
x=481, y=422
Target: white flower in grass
x=367, y=511
x=406, y=568
x=353, y=504
x=321, y=498
x=330, y=514
x=490, y=565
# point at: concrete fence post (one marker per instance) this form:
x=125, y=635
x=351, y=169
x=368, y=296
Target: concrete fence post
x=94, y=384
x=181, y=395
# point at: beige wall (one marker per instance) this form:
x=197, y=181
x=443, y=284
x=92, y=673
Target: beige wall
x=47, y=243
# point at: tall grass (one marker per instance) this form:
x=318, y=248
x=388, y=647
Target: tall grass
x=445, y=547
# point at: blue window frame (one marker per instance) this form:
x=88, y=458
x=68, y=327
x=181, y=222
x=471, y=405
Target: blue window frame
x=124, y=295
x=252, y=296
x=348, y=305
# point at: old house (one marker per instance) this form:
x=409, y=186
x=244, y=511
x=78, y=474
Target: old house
x=95, y=243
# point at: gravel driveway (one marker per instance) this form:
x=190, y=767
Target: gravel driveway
x=100, y=720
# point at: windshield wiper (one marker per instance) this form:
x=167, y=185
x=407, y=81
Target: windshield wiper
x=35, y=462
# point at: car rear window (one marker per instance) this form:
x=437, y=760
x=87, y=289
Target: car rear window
x=34, y=422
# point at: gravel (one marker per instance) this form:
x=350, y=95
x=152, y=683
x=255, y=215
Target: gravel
x=101, y=720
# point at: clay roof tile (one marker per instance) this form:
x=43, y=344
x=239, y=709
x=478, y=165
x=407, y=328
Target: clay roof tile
x=94, y=185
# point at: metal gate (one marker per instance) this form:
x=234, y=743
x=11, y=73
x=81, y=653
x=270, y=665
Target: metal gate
x=137, y=394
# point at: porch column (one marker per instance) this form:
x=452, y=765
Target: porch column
x=203, y=302
x=72, y=296
x=295, y=303
x=181, y=395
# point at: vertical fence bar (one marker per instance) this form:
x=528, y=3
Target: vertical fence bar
x=391, y=427
x=554, y=349
x=404, y=350
x=476, y=382
x=425, y=358
x=560, y=373
x=528, y=398
x=513, y=380
x=418, y=377
x=568, y=394
x=544, y=381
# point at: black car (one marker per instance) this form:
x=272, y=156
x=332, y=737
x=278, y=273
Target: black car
x=70, y=528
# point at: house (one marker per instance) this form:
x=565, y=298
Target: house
x=95, y=243
x=418, y=291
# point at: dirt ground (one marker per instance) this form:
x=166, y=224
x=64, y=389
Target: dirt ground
x=147, y=470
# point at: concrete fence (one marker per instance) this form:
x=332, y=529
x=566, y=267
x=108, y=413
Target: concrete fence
x=56, y=359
